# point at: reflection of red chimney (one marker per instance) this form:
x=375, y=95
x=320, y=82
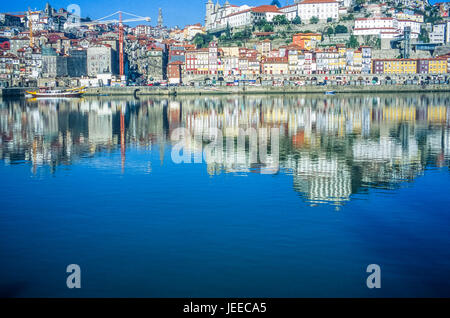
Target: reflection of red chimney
x=122, y=140
x=440, y=160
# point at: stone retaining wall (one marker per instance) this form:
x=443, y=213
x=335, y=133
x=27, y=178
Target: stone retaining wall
x=186, y=90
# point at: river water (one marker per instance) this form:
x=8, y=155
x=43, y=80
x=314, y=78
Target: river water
x=354, y=180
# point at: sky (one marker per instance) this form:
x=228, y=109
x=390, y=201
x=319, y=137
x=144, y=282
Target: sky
x=175, y=12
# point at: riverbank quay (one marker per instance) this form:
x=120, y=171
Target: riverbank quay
x=14, y=91
x=240, y=90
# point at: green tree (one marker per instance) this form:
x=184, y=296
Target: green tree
x=202, y=40
x=314, y=20
x=424, y=36
x=198, y=40
x=330, y=31
x=260, y=23
x=432, y=15
x=348, y=17
x=227, y=33
x=329, y=20
x=242, y=35
x=353, y=42
x=280, y=20
x=377, y=43
x=297, y=20
x=340, y=29
x=268, y=28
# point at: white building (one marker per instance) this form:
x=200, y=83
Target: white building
x=142, y=29
x=447, y=39
x=414, y=25
x=383, y=27
x=438, y=33
x=291, y=11
x=101, y=60
x=190, y=31
x=321, y=9
x=408, y=16
x=345, y=3
x=218, y=17
x=215, y=14
x=419, y=4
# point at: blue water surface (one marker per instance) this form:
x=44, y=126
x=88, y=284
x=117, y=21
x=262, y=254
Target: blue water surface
x=140, y=225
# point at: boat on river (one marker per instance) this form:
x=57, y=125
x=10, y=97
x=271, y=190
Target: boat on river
x=52, y=93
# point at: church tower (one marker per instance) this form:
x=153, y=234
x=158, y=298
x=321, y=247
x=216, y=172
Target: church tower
x=160, y=18
x=209, y=12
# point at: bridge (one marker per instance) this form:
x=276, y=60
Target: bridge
x=431, y=47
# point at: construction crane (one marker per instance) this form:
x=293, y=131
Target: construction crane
x=29, y=22
x=109, y=20
x=30, y=27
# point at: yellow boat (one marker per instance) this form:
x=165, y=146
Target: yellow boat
x=52, y=93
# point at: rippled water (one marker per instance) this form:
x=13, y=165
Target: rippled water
x=360, y=180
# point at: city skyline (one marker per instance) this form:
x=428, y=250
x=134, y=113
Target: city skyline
x=192, y=11
x=225, y=148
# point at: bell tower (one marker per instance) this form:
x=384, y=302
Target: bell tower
x=160, y=18
x=209, y=12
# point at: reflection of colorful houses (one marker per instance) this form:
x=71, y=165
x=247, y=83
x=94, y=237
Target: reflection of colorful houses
x=396, y=113
x=298, y=140
x=393, y=137
x=387, y=149
x=437, y=114
x=322, y=179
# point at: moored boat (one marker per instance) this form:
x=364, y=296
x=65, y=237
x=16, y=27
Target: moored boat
x=330, y=92
x=51, y=93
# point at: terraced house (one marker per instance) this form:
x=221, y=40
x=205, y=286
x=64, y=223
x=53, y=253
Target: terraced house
x=410, y=66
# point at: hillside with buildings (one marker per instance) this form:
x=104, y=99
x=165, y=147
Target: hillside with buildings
x=234, y=43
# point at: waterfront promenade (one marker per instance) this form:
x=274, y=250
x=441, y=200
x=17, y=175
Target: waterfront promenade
x=242, y=90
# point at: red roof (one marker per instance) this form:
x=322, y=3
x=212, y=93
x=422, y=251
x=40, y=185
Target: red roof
x=263, y=33
x=265, y=8
x=307, y=34
x=291, y=5
x=385, y=28
x=317, y=1
x=260, y=9
x=374, y=18
x=275, y=60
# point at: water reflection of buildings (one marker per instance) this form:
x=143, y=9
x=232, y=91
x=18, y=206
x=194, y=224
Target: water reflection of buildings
x=332, y=145
x=322, y=179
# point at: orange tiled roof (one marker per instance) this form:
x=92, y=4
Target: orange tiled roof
x=317, y=1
